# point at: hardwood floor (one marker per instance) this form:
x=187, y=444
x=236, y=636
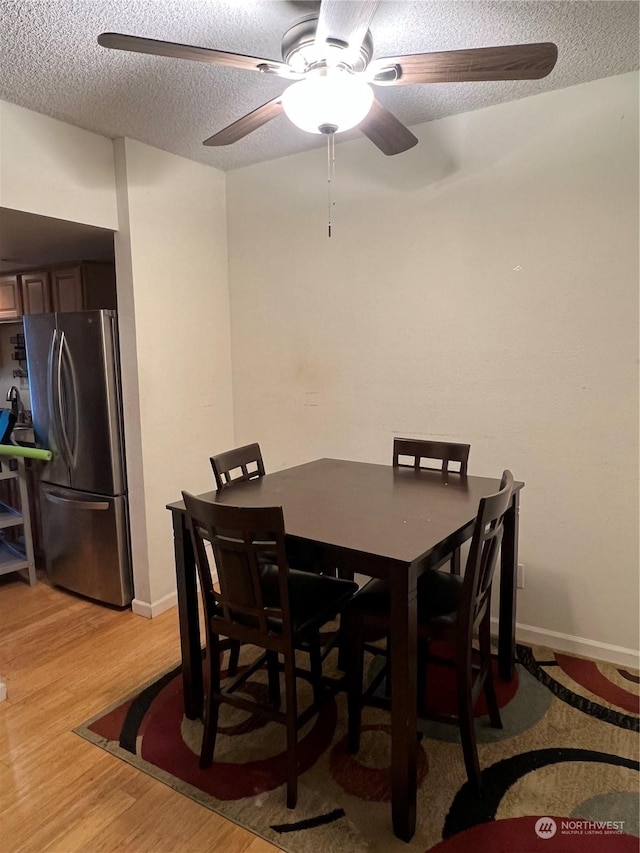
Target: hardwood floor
x=64, y=659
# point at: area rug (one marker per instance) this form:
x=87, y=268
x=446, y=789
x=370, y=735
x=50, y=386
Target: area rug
x=561, y=776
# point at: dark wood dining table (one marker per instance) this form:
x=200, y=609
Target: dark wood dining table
x=378, y=521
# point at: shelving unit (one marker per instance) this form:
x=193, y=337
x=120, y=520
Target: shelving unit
x=16, y=554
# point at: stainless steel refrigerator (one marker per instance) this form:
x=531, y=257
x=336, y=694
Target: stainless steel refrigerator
x=74, y=380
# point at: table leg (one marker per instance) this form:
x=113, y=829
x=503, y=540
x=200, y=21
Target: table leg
x=508, y=574
x=403, y=703
x=192, y=685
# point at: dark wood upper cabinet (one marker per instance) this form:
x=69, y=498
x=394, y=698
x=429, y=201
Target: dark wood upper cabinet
x=10, y=298
x=66, y=289
x=36, y=292
x=98, y=285
x=77, y=286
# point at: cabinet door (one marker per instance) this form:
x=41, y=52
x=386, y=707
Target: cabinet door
x=66, y=289
x=10, y=301
x=99, y=284
x=36, y=292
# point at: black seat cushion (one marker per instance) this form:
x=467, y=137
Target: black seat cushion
x=373, y=598
x=438, y=597
x=314, y=599
x=305, y=556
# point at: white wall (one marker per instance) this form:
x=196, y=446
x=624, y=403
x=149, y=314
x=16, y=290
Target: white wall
x=482, y=287
x=53, y=169
x=171, y=265
x=172, y=283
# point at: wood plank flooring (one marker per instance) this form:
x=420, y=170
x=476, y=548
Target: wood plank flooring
x=64, y=659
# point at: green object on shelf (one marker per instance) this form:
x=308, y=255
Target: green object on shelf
x=27, y=452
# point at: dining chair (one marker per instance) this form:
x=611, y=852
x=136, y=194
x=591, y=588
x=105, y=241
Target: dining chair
x=236, y=466
x=416, y=450
x=263, y=602
x=245, y=463
x=451, y=610
x=241, y=463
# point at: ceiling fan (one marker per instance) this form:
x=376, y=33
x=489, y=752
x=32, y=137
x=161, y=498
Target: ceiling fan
x=327, y=58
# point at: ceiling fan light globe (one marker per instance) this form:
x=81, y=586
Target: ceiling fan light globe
x=341, y=100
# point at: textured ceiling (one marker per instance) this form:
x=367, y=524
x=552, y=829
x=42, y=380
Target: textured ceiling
x=50, y=62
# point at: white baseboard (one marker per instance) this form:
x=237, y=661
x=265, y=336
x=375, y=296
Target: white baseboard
x=154, y=608
x=576, y=645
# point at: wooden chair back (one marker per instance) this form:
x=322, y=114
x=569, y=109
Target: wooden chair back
x=244, y=540
x=482, y=559
x=419, y=449
x=241, y=463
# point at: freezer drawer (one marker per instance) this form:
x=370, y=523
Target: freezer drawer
x=85, y=538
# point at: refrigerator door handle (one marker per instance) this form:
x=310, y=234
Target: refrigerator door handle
x=52, y=387
x=92, y=505
x=63, y=350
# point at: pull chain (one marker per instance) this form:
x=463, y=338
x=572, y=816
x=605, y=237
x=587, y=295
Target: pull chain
x=331, y=176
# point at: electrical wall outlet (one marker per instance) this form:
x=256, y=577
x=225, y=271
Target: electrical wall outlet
x=520, y=576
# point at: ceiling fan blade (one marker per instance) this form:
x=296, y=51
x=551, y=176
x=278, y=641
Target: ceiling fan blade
x=344, y=21
x=247, y=124
x=386, y=131
x=120, y=41
x=509, y=62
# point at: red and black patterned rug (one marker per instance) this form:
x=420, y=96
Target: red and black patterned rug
x=561, y=776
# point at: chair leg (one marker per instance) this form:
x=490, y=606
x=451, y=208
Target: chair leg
x=212, y=688
x=466, y=722
x=387, y=678
x=355, y=671
x=234, y=657
x=484, y=638
x=273, y=677
x=455, y=562
x=341, y=569
x=292, y=729
x=343, y=646
x=345, y=574
x=422, y=663
x=315, y=664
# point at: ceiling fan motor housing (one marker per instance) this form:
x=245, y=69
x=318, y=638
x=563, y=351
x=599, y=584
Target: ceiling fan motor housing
x=299, y=51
